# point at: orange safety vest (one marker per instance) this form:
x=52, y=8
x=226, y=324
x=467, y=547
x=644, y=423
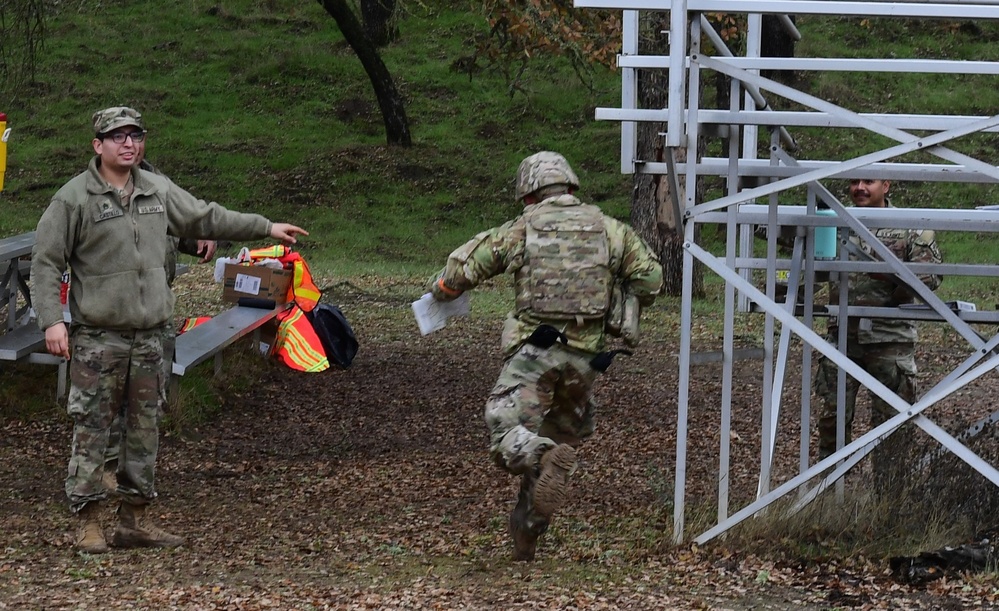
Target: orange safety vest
x=303, y=290
x=190, y=323
x=296, y=344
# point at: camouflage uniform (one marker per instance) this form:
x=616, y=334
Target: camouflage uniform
x=106, y=364
x=885, y=348
x=543, y=395
x=115, y=245
x=175, y=246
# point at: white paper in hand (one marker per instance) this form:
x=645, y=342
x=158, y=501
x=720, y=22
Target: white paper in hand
x=431, y=315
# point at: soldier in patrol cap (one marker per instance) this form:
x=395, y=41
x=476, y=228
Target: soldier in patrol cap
x=205, y=251
x=109, y=226
x=884, y=347
x=567, y=260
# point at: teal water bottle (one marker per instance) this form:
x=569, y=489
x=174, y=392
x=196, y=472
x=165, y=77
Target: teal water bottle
x=826, y=246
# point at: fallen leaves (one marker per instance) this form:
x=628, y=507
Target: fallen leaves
x=371, y=488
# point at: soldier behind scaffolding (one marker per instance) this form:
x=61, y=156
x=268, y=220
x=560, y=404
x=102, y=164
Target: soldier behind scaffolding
x=884, y=347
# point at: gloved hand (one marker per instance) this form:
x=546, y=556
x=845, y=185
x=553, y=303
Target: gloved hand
x=602, y=361
x=440, y=290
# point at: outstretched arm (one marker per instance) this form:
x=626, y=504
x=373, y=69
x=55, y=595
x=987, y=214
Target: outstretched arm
x=487, y=254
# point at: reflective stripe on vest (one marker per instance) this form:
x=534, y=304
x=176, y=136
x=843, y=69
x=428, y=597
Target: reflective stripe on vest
x=297, y=345
x=190, y=323
x=306, y=293
x=268, y=252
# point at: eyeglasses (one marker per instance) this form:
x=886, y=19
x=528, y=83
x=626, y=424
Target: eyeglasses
x=120, y=137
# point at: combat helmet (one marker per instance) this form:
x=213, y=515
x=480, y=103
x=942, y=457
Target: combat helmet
x=541, y=170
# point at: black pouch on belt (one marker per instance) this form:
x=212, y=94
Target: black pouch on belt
x=545, y=336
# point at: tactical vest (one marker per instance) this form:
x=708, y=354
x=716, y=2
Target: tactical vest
x=865, y=291
x=567, y=259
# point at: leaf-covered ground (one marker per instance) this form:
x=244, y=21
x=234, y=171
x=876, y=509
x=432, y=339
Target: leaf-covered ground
x=371, y=488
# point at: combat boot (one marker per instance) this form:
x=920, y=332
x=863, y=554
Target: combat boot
x=523, y=530
x=551, y=490
x=89, y=536
x=136, y=530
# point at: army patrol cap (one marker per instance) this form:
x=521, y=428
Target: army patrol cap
x=111, y=119
x=542, y=170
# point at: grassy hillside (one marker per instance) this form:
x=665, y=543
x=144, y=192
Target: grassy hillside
x=263, y=107
x=904, y=93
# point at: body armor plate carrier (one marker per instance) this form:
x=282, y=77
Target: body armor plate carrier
x=568, y=255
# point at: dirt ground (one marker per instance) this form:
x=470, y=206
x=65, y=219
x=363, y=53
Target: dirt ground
x=371, y=488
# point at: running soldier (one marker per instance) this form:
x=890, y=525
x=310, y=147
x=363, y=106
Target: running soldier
x=569, y=262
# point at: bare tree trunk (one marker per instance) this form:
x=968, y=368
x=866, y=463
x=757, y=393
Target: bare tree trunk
x=651, y=209
x=21, y=36
x=389, y=100
x=776, y=42
x=379, y=24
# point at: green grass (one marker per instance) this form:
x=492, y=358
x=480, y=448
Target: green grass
x=263, y=107
x=28, y=391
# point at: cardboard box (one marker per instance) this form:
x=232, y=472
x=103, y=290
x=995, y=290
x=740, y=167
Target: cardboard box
x=268, y=333
x=255, y=281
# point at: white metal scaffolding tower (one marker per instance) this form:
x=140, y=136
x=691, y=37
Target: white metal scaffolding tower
x=687, y=117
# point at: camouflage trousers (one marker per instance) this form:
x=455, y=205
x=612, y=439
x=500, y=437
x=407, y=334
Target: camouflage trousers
x=542, y=398
x=891, y=363
x=105, y=366
x=118, y=424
